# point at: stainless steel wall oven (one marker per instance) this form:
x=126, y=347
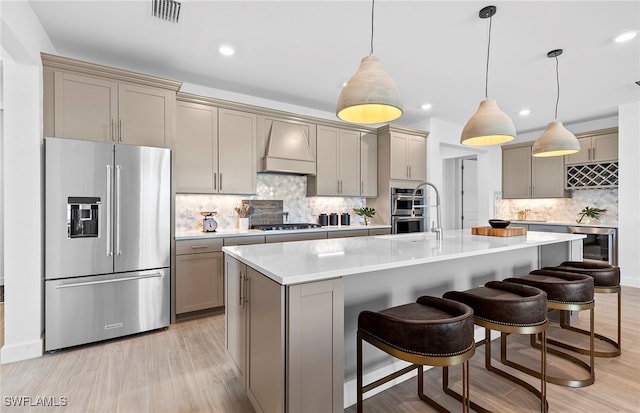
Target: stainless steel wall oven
x=402, y=220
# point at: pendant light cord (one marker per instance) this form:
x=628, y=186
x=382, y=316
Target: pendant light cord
x=373, y=2
x=486, y=73
x=558, y=86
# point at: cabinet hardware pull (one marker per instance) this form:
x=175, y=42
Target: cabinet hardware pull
x=593, y=154
x=240, y=295
x=246, y=291
x=409, y=171
x=220, y=181
x=194, y=247
x=215, y=181
x=113, y=130
x=121, y=130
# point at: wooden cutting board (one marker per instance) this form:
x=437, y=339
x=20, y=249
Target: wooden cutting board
x=499, y=232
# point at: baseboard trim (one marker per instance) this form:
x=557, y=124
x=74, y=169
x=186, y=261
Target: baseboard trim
x=21, y=351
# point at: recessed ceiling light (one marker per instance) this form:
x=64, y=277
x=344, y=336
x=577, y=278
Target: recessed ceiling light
x=525, y=112
x=426, y=106
x=626, y=36
x=226, y=50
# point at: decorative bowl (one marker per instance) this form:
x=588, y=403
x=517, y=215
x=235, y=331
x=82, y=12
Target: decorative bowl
x=499, y=223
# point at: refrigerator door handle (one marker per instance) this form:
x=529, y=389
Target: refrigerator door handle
x=118, y=169
x=137, y=277
x=108, y=213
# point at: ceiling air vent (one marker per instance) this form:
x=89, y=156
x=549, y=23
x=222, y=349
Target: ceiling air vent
x=168, y=10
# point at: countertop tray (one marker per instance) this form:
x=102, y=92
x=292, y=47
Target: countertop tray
x=499, y=232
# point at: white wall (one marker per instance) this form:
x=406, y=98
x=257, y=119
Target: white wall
x=444, y=143
x=22, y=40
x=628, y=194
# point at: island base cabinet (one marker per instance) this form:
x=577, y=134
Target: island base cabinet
x=285, y=341
x=315, y=347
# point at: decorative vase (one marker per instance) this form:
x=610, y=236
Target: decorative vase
x=243, y=223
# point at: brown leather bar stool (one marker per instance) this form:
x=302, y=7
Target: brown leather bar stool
x=606, y=280
x=566, y=292
x=511, y=309
x=430, y=332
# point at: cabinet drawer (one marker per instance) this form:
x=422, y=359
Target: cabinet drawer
x=348, y=233
x=380, y=231
x=196, y=246
x=247, y=240
x=295, y=237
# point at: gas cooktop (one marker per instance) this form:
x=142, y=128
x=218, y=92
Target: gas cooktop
x=282, y=227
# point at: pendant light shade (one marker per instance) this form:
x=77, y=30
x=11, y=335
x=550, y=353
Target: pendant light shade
x=370, y=96
x=488, y=126
x=556, y=140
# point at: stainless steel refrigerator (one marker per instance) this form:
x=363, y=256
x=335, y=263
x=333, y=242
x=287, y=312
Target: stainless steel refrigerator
x=107, y=251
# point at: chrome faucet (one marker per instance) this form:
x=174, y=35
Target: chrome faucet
x=437, y=229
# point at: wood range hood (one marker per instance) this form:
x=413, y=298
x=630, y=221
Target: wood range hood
x=288, y=150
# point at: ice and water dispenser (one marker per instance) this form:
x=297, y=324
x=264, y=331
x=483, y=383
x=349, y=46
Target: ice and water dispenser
x=82, y=217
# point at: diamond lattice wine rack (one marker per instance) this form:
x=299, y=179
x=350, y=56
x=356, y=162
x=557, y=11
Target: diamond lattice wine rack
x=591, y=176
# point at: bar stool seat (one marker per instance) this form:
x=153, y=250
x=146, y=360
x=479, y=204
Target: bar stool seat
x=566, y=292
x=432, y=331
x=606, y=280
x=511, y=309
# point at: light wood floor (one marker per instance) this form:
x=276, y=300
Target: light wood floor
x=185, y=369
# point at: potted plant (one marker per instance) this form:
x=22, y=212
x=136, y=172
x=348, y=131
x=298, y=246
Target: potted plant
x=592, y=213
x=365, y=212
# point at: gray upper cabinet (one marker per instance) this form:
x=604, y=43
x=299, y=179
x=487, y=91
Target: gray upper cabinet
x=215, y=149
x=97, y=103
x=599, y=147
x=338, y=163
x=369, y=165
x=524, y=176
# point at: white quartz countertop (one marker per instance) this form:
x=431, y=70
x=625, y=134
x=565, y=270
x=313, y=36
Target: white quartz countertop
x=308, y=261
x=249, y=232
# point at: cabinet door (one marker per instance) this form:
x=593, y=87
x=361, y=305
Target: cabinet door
x=236, y=152
x=198, y=282
x=195, y=150
x=236, y=315
x=266, y=342
x=85, y=107
x=583, y=156
x=349, y=163
x=327, y=161
x=604, y=147
x=399, y=168
x=547, y=177
x=146, y=115
x=369, y=165
x=516, y=172
x=416, y=158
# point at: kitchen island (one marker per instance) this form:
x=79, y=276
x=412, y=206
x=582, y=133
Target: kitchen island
x=292, y=308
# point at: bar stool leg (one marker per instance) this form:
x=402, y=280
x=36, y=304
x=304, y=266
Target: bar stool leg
x=359, y=373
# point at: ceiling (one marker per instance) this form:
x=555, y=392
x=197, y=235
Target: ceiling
x=300, y=52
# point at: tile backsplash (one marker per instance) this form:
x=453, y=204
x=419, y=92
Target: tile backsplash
x=291, y=189
x=563, y=209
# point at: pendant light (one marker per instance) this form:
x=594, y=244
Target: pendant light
x=489, y=125
x=556, y=140
x=370, y=96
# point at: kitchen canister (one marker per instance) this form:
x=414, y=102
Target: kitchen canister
x=333, y=219
x=345, y=219
x=323, y=220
